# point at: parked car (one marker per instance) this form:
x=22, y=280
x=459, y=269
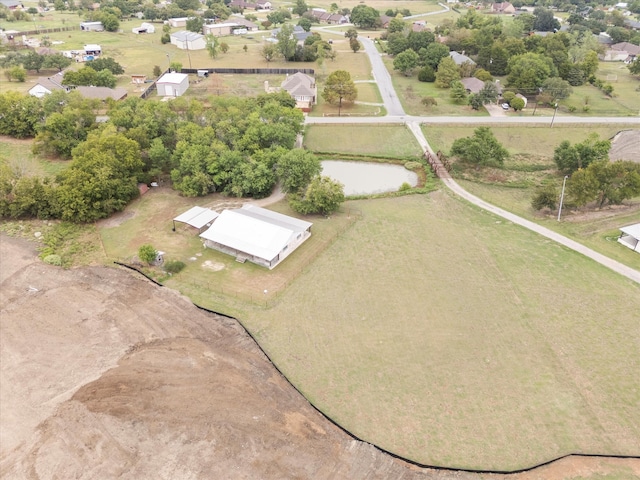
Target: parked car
x=505, y=106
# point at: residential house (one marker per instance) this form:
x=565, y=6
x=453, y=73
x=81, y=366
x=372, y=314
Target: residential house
x=298, y=32
x=102, y=93
x=621, y=52
x=12, y=4
x=91, y=26
x=250, y=26
x=331, y=18
x=384, y=20
x=264, y=5
x=503, y=8
x=472, y=84
x=256, y=234
x=303, y=89
x=188, y=40
x=172, y=84
x=419, y=26
x=632, y=24
x=47, y=85
x=242, y=5
x=460, y=58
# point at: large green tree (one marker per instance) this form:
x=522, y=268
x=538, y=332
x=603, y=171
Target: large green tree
x=296, y=168
x=286, y=42
x=605, y=183
x=406, y=62
x=482, y=148
x=570, y=158
x=339, y=89
x=528, y=72
x=323, y=195
x=447, y=73
x=102, y=178
x=366, y=17
x=557, y=88
x=19, y=114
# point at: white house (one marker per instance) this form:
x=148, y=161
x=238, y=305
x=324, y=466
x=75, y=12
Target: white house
x=46, y=85
x=630, y=237
x=252, y=233
x=188, y=40
x=172, y=84
x=92, y=49
x=303, y=89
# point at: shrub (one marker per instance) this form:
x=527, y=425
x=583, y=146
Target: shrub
x=53, y=259
x=545, y=195
x=404, y=187
x=426, y=74
x=174, y=266
x=147, y=253
x=508, y=96
x=429, y=102
x=413, y=166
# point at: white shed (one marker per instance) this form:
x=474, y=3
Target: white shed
x=91, y=26
x=630, y=237
x=172, y=84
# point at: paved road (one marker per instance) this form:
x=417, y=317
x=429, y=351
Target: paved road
x=383, y=79
x=507, y=120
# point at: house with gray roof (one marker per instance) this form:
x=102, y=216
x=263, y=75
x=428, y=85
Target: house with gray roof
x=46, y=85
x=460, y=58
x=303, y=89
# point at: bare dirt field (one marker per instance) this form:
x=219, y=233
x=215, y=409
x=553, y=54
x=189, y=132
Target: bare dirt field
x=625, y=146
x=106, y=375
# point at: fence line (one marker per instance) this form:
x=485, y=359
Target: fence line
x=40, y=31
x=251, y=71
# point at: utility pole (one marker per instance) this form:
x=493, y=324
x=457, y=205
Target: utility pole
x=554, y=114
x=564, y=183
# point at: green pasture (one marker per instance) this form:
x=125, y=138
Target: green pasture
x=446, y=335
x=512, y=187
x=393, y=141
x=531, y=139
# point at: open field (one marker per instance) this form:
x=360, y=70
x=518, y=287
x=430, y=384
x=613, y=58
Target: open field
x=17, y=153
x=512, y=187
x=383, y=140
x=534, y=139
x=451, y=337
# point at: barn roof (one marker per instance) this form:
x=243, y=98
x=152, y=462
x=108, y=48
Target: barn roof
x=633, y=230
x=255, y=231
x=197, y=217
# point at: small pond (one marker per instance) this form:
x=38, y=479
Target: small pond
x=366, y=178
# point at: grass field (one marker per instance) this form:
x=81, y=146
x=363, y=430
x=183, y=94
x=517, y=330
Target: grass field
x=17, y=153
x=512, y=187
x=383, y=140
x=448, y=336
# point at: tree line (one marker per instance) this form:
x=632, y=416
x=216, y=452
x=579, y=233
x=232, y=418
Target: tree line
x=237, y=146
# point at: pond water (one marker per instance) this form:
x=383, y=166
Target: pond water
x=365, y=178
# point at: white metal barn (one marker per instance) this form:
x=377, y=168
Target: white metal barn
x=172, y=84
x=256, y=234
x=630, y=237
x=196, y=217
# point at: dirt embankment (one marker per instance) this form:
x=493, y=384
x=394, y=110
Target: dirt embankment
x=105, y=375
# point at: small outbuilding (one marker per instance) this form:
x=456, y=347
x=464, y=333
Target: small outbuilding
x=144, y=28
x=255, y=234
x=93, y=49
x=172, y=84
x=196, y=217
x=630, y=237
x=188, y=40
x=91, y=26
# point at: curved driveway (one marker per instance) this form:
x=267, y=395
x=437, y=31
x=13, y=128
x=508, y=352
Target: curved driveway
x=396, y=114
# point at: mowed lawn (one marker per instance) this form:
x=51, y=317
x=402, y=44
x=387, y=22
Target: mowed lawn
x=382, y=140
x=448, y=336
